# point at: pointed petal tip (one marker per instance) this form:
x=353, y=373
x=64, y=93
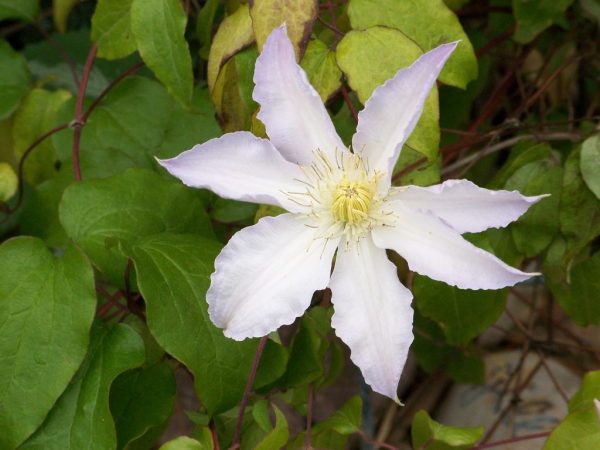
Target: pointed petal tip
x=537, y=198
x=165, y=163
x=447, y=49
x=278, y=33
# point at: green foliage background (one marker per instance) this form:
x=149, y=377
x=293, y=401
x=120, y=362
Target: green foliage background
x=105, y=259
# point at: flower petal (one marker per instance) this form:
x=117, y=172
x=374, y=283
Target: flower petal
x=294, y=115
x=434, y=249
x=373, y=315
x=239, y=166
x=392, y=111
x=266, y=275
x=465, y=206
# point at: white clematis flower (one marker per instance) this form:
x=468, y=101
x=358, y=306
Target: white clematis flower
x=341, y=200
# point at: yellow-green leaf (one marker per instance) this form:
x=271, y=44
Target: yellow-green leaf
x=232, y=95
x=234, y=34
x=429, y=23
x=370, y=57
x=34, y=118
x=589, y=164
x=60, y=13
x=321, y=67
x=427, y=433
x=298, y=15
x=184, y=443
x=8, y=181
x=111, y=29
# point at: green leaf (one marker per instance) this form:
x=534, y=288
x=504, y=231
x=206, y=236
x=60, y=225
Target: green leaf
x=14, y=79
x=346, y=420
x=590, y=164
x=159, y=27
x=308, y=349
x=184, y=443
x=19, y=9
x=260, y=414
x=111, y=29
x=184, y=129
x=231, y=211
x=39, y=216
x=278, y=436
x=534, y=231
x=332, y=432
x=234, y=34
x=126, y=207
x=427, y=433
x=141, y=402
x=580, y=430
x=81, y=417
x=372, y=56
x=428, y=23
x=425, y=174
x=587, y=392
x=533, y=17
x=204, y=26
x=521, y=154
x=134, y=122
x=48, y=66
x=462, y=314
x=322, y=69
x=60, y=13
x=154, y=352
x=273, y=363
x=36, y=116
x=173, y=275
x=298, y=15
x=232, y=95
x=8, y=181
x=579, y=207
x=580, y=297
x=464, y=366
x=46, y=308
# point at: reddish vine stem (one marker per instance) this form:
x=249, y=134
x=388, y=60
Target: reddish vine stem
x=213, y=434
x=78, y=121
x=495, y=42
x=235, y=442
x=348, y=101
x=21, y=167
x=131, y=71
x=109, y=304
x=512, y=440
x=331, y=27
x=309, y=413
x=532, y=99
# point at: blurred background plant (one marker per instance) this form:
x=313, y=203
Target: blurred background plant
x=105, y=340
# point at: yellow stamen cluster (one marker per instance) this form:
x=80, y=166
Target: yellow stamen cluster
x=351, y=201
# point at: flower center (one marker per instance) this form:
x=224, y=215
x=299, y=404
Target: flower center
x=351, y=201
